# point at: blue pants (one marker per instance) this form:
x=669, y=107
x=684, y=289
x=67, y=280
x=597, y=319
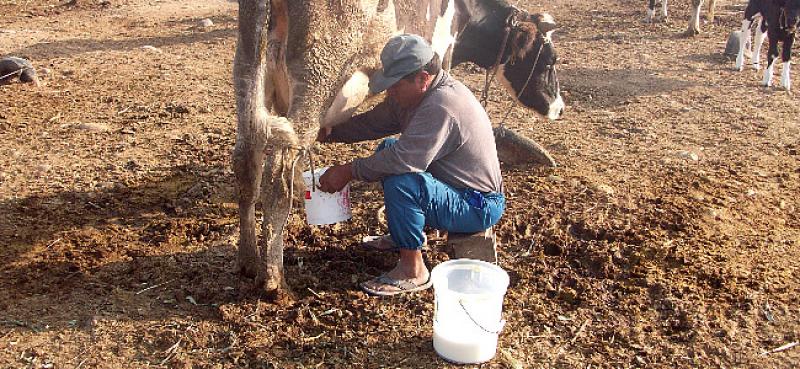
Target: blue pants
x=414, y=200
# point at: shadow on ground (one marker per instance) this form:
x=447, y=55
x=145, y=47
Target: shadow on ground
x=73, y=47
x=596, y=88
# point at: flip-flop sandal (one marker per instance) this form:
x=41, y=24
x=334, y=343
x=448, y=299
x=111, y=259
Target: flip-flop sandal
x=402, y=285
x=385, y=244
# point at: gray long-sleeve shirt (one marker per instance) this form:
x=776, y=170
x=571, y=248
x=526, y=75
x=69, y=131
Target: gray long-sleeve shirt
x=448, y=135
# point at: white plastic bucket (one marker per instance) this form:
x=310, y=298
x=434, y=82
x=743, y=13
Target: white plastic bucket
x=469, y=306
x=323, y=207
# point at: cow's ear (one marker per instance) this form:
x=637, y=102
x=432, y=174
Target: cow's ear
x=544, y=21
x=522, y=41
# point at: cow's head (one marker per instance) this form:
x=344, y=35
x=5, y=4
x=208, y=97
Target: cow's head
x=529, y=70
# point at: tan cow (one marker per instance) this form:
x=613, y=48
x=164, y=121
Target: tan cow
x=305, y=64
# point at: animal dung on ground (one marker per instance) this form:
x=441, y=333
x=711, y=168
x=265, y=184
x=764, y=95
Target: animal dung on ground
x=12, y=67
x=152, y=48
x=688, y=155
x=93, y=127
x=205, y=24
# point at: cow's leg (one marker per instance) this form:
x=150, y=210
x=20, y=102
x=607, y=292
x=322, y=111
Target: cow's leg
x=664, y=14
x=761, y=34
x=694, y=22
x=276, y=203
x=651, y=10
x=248, y=159
x=744, y=43
x=712, y=4
x=249, y=77
x=786, y=81
x=772, y=55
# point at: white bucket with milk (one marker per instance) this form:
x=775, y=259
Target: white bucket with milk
x=469, y=306
x=323, y=207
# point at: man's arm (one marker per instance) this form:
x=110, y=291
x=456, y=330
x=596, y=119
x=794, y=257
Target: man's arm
x=381, y=121
x=427, y=138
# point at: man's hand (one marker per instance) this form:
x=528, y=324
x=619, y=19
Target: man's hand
x=323, y=133
x=336, y=177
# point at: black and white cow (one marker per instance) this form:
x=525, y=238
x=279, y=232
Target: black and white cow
x=651, y=11
x=777, y=20
x=482, y=25
x=694, y=22
x=753, y=14
x=301, y=65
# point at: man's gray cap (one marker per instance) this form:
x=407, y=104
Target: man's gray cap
x=401, y=56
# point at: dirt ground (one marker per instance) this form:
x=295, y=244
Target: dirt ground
x=667, y=237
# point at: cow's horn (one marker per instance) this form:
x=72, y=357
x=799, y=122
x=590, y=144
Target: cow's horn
x=545, y=22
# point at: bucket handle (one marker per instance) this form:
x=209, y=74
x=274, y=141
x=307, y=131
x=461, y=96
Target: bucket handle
x=313, y=171
x=500, y=324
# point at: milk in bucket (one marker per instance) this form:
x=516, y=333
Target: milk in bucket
x=323, y=207
x=469, y=305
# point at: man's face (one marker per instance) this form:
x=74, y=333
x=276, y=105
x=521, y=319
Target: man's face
x=409, y=92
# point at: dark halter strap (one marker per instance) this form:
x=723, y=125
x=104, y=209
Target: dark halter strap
x=512, y=22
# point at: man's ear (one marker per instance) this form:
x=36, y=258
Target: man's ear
x=423, y=76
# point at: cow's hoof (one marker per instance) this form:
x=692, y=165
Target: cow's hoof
x=691, y=33
x=280, y=296
x=250, y=271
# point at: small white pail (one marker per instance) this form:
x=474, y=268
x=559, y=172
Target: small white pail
x=323, y=207
x=469, y=307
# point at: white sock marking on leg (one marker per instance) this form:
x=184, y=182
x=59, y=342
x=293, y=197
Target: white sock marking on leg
x=786, y=80
x=768, y=74
x=744, y=39
x=756, y=59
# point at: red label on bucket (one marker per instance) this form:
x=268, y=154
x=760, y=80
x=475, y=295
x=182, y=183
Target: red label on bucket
x=308, y=195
